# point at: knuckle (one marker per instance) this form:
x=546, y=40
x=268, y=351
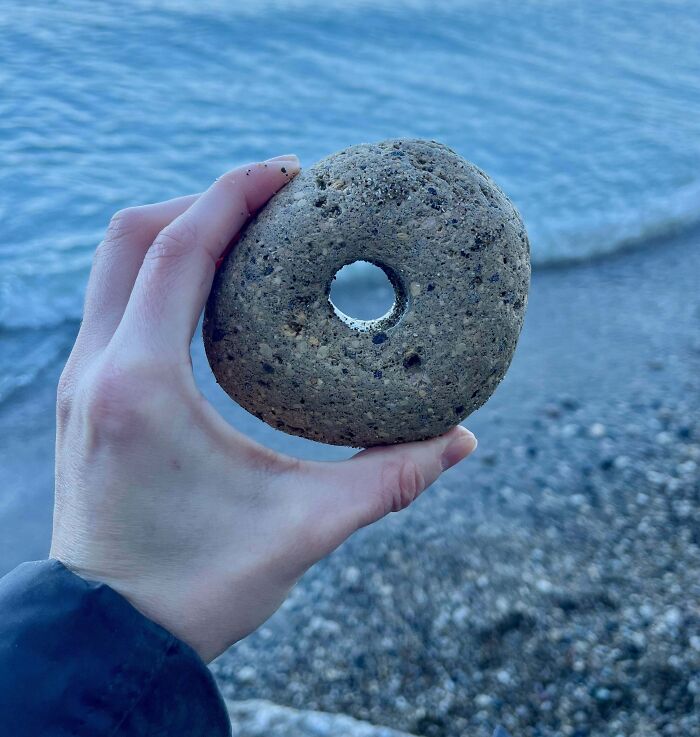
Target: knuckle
x=124, y=223
x=113, y=403
x=402, y=482
x=174, y=242
x=410, y=483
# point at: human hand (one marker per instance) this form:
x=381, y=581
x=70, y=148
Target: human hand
x=201, y=529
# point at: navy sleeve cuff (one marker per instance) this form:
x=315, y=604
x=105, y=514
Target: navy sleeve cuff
x=77, y=659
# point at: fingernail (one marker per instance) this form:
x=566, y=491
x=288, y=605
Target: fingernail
x=288, y=164
x=462, y=444
x=288, y=160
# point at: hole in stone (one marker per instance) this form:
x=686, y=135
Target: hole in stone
x=411, y=361
x=361, y=293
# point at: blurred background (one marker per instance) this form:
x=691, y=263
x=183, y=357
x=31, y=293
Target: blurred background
x=552, y=582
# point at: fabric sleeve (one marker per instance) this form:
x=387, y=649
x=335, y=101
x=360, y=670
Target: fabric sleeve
x=78, y=660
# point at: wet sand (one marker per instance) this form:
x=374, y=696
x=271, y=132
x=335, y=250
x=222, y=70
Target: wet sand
x=550, y=583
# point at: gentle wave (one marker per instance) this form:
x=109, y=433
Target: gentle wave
x=27, y=355
x=659, y=217
x=28, y=305
x=588, y=117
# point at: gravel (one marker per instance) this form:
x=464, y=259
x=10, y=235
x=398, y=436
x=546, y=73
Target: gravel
x=561, y=614
x=551, y=583
x=258, y=718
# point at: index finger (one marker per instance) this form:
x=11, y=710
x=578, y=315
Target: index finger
x=178, y=269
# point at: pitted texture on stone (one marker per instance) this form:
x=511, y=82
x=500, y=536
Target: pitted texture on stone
x=457, y=253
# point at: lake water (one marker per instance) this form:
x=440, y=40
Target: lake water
x=587, y=114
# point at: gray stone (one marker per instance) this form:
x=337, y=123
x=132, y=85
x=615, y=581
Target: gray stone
x=455, y=250
x=258, y=718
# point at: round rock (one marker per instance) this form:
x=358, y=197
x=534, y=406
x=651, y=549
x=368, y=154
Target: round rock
x=455, y=250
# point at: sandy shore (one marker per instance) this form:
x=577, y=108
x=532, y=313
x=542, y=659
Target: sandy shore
x=550, y=584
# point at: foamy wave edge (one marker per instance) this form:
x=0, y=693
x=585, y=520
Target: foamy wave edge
x=647, y=223
x=566, y=244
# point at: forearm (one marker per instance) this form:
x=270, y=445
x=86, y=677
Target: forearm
x=77, y=659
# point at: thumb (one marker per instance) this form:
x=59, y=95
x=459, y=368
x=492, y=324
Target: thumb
x=386, y=479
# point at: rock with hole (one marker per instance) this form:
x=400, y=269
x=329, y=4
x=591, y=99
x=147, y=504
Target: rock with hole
x=455, y=250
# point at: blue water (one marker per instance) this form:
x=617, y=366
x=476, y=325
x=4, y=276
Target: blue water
x=587, y=114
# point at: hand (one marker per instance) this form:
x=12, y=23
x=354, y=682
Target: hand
x=201, y=529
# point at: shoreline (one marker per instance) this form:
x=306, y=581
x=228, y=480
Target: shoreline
x=683, y=232
x=551, y=581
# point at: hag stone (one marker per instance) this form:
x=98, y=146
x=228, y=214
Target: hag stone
x=455, y=250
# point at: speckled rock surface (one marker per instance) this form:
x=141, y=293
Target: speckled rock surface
x=457, y=254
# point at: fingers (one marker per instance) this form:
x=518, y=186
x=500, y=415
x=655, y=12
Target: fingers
x=177, y=271
x=116, y=264
x=377, y=481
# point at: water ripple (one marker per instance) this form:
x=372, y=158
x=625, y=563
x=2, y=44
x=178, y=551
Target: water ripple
x=587, y=115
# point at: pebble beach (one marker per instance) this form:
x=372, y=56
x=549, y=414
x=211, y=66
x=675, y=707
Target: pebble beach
x=551, y=583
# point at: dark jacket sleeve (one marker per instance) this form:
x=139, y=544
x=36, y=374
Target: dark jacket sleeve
x=77, y=659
